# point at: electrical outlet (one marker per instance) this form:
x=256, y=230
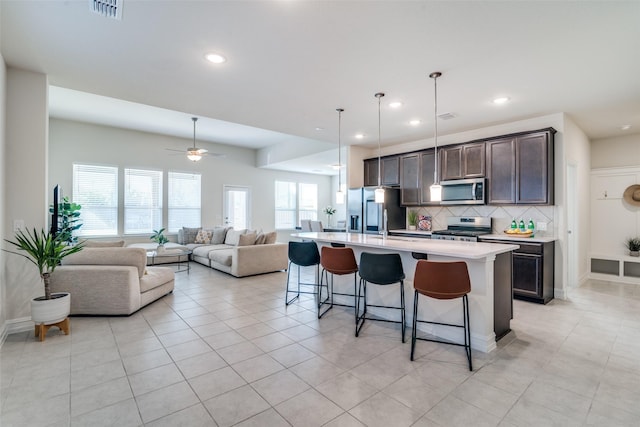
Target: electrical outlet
x=542, y=226
x=18, y=224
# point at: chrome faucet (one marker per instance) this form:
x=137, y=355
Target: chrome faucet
x=384, y=232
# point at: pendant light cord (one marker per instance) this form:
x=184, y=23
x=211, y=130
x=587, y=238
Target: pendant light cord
x=339, y=110
x=435, y=76
x=379, y=95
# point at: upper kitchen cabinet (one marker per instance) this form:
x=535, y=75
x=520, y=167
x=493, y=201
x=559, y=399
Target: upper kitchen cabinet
x=520, y=169
x=390, y=170
x=463, y=161
x=427, y=169
x=410, y=180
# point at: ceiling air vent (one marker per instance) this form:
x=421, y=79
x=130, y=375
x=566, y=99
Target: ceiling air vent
x=446, y=116
x=108, y=8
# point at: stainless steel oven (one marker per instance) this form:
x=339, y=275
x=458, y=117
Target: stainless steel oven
x=463, y=192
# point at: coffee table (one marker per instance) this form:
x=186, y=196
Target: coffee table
x=181, y=260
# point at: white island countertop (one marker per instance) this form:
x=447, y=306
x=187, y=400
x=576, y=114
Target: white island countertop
x=448, y=248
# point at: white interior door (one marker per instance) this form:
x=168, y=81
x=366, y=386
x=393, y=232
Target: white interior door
x=572, y=226
x=237, y=206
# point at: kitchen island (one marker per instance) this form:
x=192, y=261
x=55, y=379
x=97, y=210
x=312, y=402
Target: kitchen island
x=489, y=265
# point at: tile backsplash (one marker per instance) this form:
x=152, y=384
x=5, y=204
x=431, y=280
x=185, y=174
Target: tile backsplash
x=502, y=215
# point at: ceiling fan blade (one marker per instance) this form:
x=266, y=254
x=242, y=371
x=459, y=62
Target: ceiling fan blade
x=173, y=149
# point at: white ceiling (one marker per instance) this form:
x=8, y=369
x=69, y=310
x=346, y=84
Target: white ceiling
x=292, y=63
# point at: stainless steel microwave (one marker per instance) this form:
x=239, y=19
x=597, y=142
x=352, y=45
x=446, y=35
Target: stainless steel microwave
x=463, y=192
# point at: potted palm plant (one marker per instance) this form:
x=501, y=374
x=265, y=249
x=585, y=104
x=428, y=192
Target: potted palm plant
x=159, y=237
x=46, y=251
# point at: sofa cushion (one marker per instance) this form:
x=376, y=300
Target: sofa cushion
x=203, y=251
x=222, y=256
x=189, y=234
x=233, y=236
x=99, y=244
x=247, y=239
x=154, y=277
x=204, y=236
x=270, y=238
x=135, y=257
x=219, y=234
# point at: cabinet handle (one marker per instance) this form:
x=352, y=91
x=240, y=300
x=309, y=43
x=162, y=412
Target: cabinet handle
x=605, y=193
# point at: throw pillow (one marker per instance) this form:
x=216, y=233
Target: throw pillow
x=260, y=239
x=203, y=237
x=219, y=234
x=247, y=239
x=189, y=234
x=233, y=236
x=270, y=238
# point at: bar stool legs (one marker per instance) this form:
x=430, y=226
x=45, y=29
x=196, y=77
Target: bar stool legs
x=442, y=281
x=380, y=269
x=335, y=261
x=298, y=291
x=302, y=254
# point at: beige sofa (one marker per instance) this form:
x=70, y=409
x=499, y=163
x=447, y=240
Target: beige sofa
x=108, y=281
x=237, y=252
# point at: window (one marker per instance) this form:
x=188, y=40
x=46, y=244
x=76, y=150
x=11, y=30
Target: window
x=142, y=201
x=295, y=202
x=96, y=189
x=184, y=200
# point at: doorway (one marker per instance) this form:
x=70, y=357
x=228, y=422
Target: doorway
x=572, y=226
x=236, y=206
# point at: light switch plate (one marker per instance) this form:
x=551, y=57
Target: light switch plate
x=542, y=226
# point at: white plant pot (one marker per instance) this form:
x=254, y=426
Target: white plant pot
x=412, y=227
x=160, y=249
x=51, y=311
x=634, y=253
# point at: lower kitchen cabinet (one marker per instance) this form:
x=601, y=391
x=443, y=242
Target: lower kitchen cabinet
x=532, y=270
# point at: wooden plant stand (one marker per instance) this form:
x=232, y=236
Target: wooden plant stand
x=41, y=329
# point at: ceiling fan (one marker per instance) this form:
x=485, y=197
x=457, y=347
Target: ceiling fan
x=194, y=153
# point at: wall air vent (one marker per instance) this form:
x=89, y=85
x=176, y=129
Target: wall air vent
x=108, y=8
x=446, y=116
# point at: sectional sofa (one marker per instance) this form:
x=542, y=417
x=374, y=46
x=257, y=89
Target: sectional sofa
x=237, y=252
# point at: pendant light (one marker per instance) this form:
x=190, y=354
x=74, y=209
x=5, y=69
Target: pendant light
x=194, y=154
x=436, y=188
x=339, y=193
x=379, y=193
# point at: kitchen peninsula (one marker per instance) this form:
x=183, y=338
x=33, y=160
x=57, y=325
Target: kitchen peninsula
x=489, y=267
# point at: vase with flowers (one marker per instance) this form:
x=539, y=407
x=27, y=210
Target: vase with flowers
x=329, y=211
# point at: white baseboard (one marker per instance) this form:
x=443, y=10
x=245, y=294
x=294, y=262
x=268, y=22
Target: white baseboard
x=15, y=326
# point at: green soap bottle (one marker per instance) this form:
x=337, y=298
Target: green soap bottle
x=521, y=225
x=513, y=224
x=531, y=225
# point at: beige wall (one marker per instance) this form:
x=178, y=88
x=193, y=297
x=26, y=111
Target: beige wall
x=87, y=143
x=3, y=287
x=25, y=174
x=616, y=152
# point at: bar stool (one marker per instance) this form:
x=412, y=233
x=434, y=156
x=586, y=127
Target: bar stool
x=335, y=261
x=443, y=280
x=379, y=269
x=302, y=254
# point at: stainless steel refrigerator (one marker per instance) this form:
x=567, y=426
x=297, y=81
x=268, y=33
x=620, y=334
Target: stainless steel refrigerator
x=366, y=216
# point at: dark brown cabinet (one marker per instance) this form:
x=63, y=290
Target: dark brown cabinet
x=410, y=180
x=390, y=170
x=520, y=169
x=427, y=168
x=533, y=272
x=463, y=161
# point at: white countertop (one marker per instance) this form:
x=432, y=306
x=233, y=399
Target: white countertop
x=456, y=249
x=510, y=238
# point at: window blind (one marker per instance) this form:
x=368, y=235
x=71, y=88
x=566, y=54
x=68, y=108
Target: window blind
x=142, y=201
x=95, y=188
x=184, y=200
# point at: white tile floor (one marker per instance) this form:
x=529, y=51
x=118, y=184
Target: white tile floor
x=225, y=351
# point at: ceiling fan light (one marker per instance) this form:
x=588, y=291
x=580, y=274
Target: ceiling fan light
x=194, y=157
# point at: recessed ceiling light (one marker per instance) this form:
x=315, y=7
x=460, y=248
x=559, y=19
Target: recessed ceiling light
x=336, y=166
x=359, y=135
x=501, y=100
x=319, y=129
x=415, y=122
x=216, y=58
x=625, y=127
x=396, y=104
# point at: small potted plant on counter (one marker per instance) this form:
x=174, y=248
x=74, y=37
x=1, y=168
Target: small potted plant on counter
x=633, y=244
x=329, y=211
x=412, y=218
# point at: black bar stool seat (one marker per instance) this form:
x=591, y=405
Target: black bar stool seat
x=443, y=281
x=379, y=269
x=302, y=254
